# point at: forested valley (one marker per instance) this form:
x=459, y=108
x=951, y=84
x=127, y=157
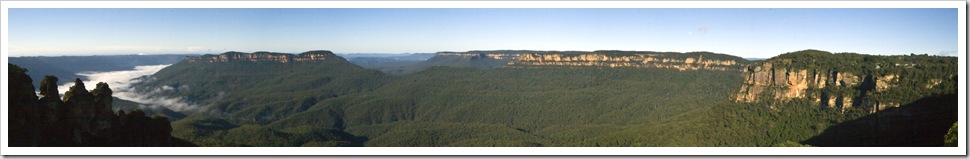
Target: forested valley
x=525, y=98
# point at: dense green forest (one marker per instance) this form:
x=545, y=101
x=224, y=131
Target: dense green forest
x=477, y=101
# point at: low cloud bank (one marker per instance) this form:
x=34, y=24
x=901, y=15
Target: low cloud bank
x=121, y=83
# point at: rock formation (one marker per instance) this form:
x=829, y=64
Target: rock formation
x=785, y=83
x=83, y=118
x=859, y=81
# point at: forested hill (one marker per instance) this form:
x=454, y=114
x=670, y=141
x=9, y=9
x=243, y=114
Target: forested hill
x=248, y=86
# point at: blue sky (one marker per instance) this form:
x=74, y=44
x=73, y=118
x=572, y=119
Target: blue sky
x=740, y=32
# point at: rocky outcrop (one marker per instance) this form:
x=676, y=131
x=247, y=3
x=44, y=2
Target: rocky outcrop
x=788, y=83
x=82, y=118
x=765, y=79
x=83, y=111
x=310, y=56
x=843, y=81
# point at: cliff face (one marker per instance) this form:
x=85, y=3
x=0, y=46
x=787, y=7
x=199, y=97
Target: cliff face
x=492, y=55
x=310, y=56
x=871, y=84
x=631, y=59
x=783, y=83
x=635, y=60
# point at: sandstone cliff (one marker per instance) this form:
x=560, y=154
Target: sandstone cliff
x=842, y=81
x=630, y=59
x=309, y=56
x=782, y=83
x=635, y=60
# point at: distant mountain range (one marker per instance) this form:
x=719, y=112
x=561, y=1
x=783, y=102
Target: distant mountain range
x=68, y=67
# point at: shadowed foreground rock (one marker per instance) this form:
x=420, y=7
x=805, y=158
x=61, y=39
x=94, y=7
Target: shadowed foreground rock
x=82, y=118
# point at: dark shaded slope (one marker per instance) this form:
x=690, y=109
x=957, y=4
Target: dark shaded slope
x=208, y=131
x=921, y=123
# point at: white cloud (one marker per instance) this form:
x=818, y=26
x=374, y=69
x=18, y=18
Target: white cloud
x=121, y=82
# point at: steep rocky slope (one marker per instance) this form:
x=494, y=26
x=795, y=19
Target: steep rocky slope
x=847, y=80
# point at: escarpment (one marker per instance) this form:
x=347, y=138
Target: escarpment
x=845, y=80
x=309, y=56
x=635, y=60
x=613, y=59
